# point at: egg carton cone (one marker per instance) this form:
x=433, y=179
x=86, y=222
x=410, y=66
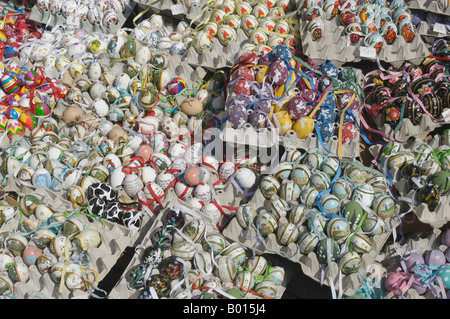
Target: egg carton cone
x=430, y=35
x=220, y=56
x=330, y=275
x=333, y=46
x=419, y=242
x=429, y=6
x=123, y=291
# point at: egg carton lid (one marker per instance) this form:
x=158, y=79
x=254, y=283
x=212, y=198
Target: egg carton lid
x=177, y=9
x=333, y=46
x=48, y=19
x=347, y=284
x=430, y=6
x=121, y=289
x=408, y=129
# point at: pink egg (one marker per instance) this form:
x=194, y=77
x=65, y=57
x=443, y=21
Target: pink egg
x=145, y=151
x=31, y=254
x=194, y=175
x=396, y=282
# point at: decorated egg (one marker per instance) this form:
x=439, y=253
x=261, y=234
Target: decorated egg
x=269, y=186
x=338, y=229
x=373, y=225
x=287, y=233
x=364, y=194
x=429, y=195
x=349, y=262
x=245, y=215
x=307, y=242
x=267, y=289
x=266, y=223
x=195, y=230
x=214, y=242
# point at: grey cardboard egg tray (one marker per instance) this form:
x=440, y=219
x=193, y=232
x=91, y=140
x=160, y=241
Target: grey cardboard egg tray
x=407, y=128
x=333, y=46
x=178, y=10
x=429, y=6
x=428, y=34
x=346, y=284
x=122, y=291
x=115, y=239
x=437, y=218
x=48, y=19
x=418, y=243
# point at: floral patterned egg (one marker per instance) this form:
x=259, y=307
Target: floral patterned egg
x=242, y=86
x=407, y=30
x=326, y=130
x=303, y=127
x=237, y=115
x=391, y=115
x=171, y=268
x=298, y=108
x=278, y=73
x=349, y=132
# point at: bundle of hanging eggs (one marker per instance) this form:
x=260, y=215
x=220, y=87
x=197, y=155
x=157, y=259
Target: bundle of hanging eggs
x=376, y=23
x=423, y=169
x=216, y=268
x=37, y=245
x=309, y=204
x=409, y=92
x=274, y=91
x=427, y=272
x=261, y=21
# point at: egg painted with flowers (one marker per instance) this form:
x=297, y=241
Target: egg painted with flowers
x=391, y=115
x=349, y=132
x=237, y=115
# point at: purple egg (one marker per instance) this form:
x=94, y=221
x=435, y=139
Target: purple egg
x=445, y=238
x=237, y=115
x=412, y=261
x=264, y=59
x=263, y=105
x=278, y=73
x=419, y=286
x=298, y=108
x=434, y=257
x=309, y=95
x=447, y=254
x=258, y=119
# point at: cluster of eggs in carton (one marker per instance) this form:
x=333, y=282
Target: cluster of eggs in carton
x=312, y=207
x=43, y=240
x=423, y=271
x=105, y=12
x=418, y=90
x=377, y=22
x=214, y=267
x=426, y=170
x=261, y=21
x=268, y=91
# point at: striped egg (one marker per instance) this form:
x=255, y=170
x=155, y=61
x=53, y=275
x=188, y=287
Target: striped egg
x=307, y=242
x=373, y=225
x=283, y=171
x=245, y=215
x=267, y=289
x=356, y=174
x=278, y=207
x=293, y=156
x=214, y=242
x=342, y=188
x=361, y=243
x=10, y=83
x=320, y=181
x=287, y=233
x=266, y=223
x=195, y=230
x=301, y=174
x=400, y=160
x=183, y=249
x=289, y=190
x=313, y=159
x=429, y=167
x=364, y=194
x=203, y=261
x=338, y=229
x=245, y=280
x=269, y=186
x=330, y=203
x=257, y=265
x=384, y=206
x=236, y=252
x=392, y=147
x=349, y=262
x=226, y=269
x=308, y=196
x=379, y=183
x=422, y=153
x=330, y=166
x=277, y=275
x=14, y=127
x=297, y=215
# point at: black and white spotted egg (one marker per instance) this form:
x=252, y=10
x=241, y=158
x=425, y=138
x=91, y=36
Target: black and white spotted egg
x=103, y=191
x=113, y=212
x=97, y=206
x=132, y=219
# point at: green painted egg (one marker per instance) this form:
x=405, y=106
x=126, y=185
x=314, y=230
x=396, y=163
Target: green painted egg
x=384, y=206
x=327, y=250
x=353, y=212
x=307, y=242
x=441, y=180
x=235, y=293
x=349, y=262
x=338, y=229
x=444, y=274
x=356, y=174
x=28, y=204
x=128, y=50
x=269, y=186
x=6, y=285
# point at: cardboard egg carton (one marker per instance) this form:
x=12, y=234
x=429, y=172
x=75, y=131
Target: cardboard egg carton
x=437, y=218
x=333, y=46
x=219, y=56
x=48, y=19
x=122, y=289
x=430, y=35
x=329, y=275
x=418, y=243
x=429, y=6
x=177, y=9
